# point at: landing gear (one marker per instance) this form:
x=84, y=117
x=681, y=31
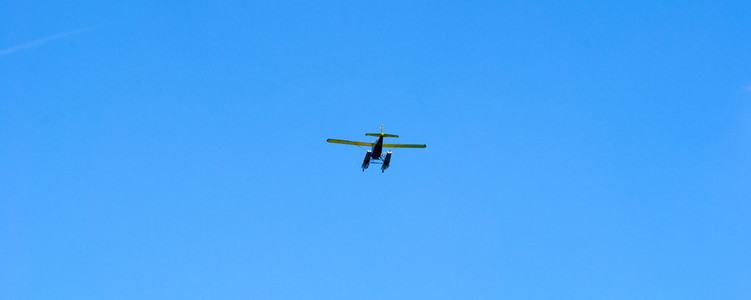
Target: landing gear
x=386, y=162
x=366, y=161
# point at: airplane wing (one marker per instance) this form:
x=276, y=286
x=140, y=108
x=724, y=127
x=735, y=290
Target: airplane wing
x=349, y=142
x=403, y=146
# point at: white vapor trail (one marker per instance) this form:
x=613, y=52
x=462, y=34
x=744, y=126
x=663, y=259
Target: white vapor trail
x=41, y=41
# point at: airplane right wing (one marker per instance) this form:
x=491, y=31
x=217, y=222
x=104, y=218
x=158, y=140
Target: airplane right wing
x=403, y=146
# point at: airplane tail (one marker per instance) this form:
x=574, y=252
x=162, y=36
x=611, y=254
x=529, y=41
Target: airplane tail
x=382, y=134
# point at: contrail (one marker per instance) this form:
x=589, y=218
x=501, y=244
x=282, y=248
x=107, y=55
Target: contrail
x=42, y=41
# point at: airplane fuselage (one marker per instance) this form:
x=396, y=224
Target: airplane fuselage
x=377, y=149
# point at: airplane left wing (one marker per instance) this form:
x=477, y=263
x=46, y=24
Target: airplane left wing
x=403, y=146
x=349, y=142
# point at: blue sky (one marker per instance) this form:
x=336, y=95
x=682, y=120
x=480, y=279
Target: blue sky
x=576, y=150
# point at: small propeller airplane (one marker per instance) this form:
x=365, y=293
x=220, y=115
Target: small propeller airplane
x=376, y=150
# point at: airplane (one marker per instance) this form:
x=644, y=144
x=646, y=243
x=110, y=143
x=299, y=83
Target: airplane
x=376, y=150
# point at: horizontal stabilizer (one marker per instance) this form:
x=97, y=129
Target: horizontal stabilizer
x=383, y=135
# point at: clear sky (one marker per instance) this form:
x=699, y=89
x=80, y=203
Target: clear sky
x=576, y=150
